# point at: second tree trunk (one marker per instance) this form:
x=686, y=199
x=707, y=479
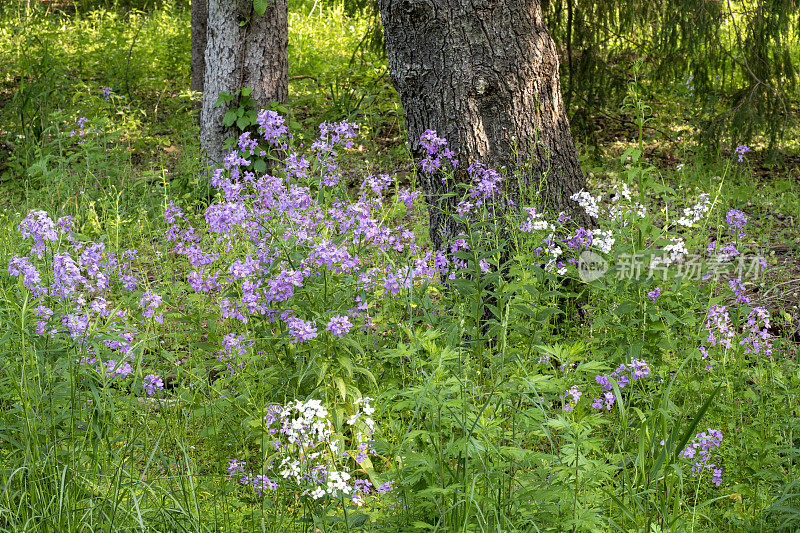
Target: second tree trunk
x=484, y=75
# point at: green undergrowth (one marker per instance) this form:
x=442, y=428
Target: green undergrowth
x=483, y=383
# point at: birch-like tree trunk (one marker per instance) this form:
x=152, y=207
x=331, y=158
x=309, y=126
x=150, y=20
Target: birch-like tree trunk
x=484, y=75
x=243, y=49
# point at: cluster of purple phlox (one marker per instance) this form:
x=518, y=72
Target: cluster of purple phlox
x=378, y=184
x=581, y=240
x=737, y=286
x=300, y=330
x=150, y=302
x=576, y=396
x=232, y=352
x=436, y=152
x=736, y=221
x=152, y=383
x=75, y=304
x=624, y=374
x=699, y=451
x=40, y=228
x=719, y=327
x=249, y=145
x=339, y=325
x=82, y=129
x=272, y=128
x=22, y=266
x=484, y=186
x=740, y=150
x=757, y=329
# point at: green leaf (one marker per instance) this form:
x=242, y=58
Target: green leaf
x=242, y=123
x=229, y=118
x=247, y=90
x=341, y=386
x=224, y=97
x=260, y=6
x=260, y=166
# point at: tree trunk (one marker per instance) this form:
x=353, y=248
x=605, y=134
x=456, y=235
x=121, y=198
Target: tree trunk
x=484, y=75
x=199, y=20
x=243, y=49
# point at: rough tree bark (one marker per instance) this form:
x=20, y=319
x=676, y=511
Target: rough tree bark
x=199, y=19
x=243, y=49
x=484, y=75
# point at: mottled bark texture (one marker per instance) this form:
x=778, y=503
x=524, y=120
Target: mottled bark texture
x=484, y=75
x=199, y=20
x=243, y=49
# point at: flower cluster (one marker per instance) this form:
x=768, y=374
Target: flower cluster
x=73, y=281
x=740, y=150
x=721, y=332
x=108, y=93
x=623, y=375
x=150, y=302
x=485, y=186
x=232, y=352
x=757, y=329
x=692, y=215
x=736, y=221
x=700, y=449
x=308, y=456
x=655, y=293
x=576, y=397
x=436, y=152
x=153, y=383
x=718, y=325
x=737, y=286
x=272, y=245
x=589, y=203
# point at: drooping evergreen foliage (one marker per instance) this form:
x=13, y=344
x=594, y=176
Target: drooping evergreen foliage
x=731, y=60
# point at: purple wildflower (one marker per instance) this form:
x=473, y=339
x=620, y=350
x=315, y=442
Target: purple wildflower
x=339, y=325
x=235, y=466
x=233, y=350
x=655, y=293
x=434, y=157
x=758, y=336
x=740, y=151
x=41, y=228
x=153, y=383
x=150, y=302
x=30, y=275
x=117, y=369
x=736, y=221
x=699, y=450
x=576, y=396
x=271, y=126
x=300, y=330
x=737, y=286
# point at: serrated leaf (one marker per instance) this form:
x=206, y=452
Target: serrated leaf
x=242, y=123
x=347, y=364
x=247, y=90
x=341, y=386
x=261, y=7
